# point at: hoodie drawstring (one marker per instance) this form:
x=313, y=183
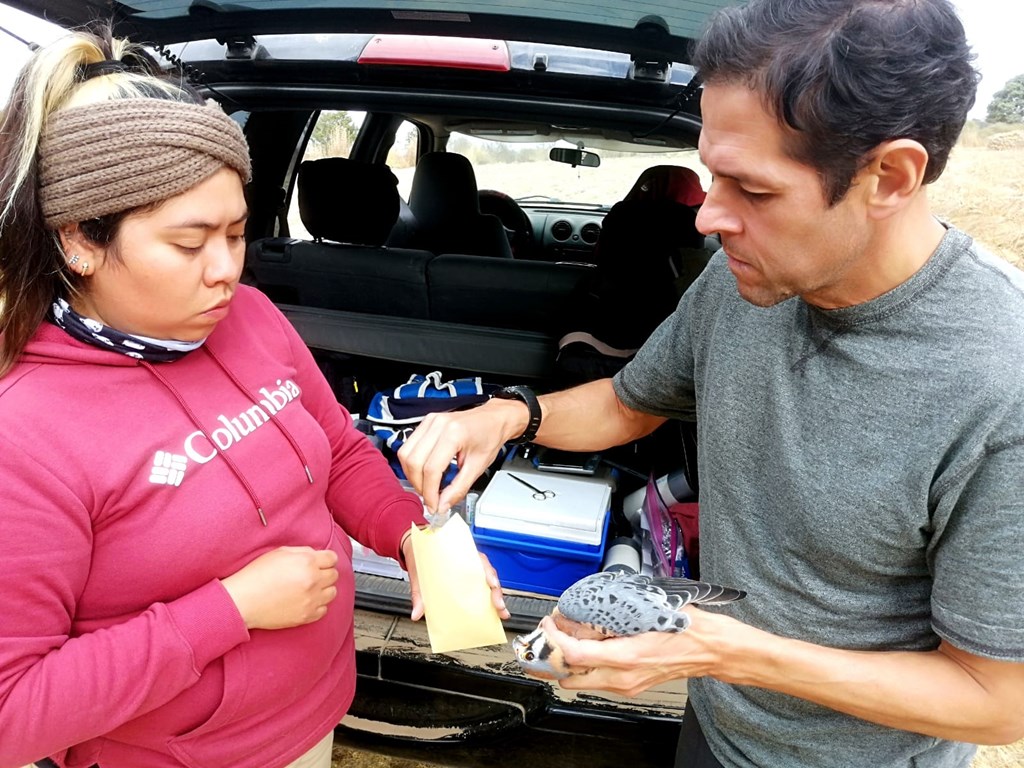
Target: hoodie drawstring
x=273, y=416
x=223, y=454
x=198, y=425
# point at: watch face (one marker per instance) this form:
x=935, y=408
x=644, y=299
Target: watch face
x=511, y=393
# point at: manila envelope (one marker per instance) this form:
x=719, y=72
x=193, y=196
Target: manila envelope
x=456, y=598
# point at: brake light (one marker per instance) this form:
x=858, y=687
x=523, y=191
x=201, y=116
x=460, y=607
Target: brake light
x=423, y=51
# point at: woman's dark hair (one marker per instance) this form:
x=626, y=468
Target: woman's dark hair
x=847, y=75
x=32, y=267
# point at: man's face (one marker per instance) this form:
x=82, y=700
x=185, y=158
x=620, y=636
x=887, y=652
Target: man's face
x=780, y=235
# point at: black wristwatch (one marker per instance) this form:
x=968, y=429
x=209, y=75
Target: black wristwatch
x=524, y=394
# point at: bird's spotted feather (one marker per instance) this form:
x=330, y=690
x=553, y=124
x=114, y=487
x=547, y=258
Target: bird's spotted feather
x=611, y=604
x=616, y=604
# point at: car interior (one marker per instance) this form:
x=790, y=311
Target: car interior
x=384, y=283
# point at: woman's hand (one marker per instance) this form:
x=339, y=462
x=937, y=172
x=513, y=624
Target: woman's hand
x=285, y=587
x=497, y=598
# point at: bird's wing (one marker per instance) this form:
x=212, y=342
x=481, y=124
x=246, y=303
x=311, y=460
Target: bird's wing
x=698, y=591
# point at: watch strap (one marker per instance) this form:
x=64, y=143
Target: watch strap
x=525, y=395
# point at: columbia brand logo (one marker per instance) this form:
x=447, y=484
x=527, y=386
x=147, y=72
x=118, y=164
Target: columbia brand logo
x=199, y=447
x=168, y=468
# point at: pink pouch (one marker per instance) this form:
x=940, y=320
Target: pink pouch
x=663, y=529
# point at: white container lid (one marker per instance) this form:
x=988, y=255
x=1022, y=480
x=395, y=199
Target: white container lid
x=574, y=514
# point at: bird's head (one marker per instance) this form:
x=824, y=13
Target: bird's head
x=539, y=657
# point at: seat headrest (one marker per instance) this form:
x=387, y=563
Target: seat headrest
x=348, y=201
x=668, y=182
x=634, y=230
x=443, y=188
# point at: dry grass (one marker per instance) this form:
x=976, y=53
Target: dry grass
x=346, y=757
x=982, y=192
x=1011, y=756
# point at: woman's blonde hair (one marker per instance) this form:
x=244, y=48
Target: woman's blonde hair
x=58, y=76
x=52, y=80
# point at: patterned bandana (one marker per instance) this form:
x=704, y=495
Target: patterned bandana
x=87, y=330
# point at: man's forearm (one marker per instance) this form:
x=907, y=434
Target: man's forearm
x=591, y=417
x=944, y=693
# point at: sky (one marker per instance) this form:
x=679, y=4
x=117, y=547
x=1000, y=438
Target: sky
x=993, y=29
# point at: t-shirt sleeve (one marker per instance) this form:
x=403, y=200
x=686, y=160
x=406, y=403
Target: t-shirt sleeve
x=976, y=556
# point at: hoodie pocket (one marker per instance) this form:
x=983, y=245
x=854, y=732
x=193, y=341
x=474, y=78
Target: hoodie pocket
x=269, y=674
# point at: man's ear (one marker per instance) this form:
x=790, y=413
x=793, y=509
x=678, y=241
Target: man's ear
x=74, y=243
x=894, y=177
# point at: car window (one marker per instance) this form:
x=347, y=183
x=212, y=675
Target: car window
x=402, y=156
x=522, y=170
x=334, y=134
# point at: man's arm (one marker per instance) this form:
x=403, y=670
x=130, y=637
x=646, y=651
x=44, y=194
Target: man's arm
x=586, y=418
x=947, y=693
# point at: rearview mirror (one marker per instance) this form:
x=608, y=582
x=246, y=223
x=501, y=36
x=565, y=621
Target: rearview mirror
x=575, y=157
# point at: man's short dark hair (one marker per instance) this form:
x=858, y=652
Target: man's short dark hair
x=847, y=75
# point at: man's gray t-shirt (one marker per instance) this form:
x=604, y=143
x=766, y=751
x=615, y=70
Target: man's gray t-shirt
x=861, y=475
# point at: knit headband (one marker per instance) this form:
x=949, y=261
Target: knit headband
x=111, y=156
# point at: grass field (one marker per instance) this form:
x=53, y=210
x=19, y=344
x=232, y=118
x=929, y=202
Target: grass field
x=982, y=192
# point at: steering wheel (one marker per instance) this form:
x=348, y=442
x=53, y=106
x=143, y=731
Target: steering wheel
x=513, y=218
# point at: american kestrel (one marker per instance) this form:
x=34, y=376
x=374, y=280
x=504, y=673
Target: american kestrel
x=613, y=604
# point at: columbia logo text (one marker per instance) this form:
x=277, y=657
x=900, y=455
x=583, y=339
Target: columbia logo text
x=198, y=446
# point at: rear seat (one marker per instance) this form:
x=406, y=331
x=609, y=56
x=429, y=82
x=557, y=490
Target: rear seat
x=503, y=293
x=346, y=292
x=349, y=208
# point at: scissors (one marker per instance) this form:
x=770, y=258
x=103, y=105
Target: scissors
x=538, y=494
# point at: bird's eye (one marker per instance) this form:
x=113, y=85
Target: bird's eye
x=529, y=656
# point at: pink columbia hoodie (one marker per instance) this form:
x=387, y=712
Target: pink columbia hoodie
x=129, y=490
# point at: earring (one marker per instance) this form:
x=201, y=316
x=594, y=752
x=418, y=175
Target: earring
x=73, y=260
x=85, y=269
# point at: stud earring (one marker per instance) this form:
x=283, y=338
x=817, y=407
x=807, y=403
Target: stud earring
x=73, y=260
x=85, y=269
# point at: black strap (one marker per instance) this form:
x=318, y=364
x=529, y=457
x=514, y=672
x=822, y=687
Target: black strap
x=100, y=68
x=525, y=395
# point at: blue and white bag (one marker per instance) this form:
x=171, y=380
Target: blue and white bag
x=394, y=415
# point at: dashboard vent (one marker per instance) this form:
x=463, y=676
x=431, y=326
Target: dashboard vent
x=561, y=230
x=590, y=232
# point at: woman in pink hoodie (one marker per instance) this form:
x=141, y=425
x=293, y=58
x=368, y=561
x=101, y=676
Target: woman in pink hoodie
x=179, y=482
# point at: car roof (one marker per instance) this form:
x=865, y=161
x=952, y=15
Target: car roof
x=576, y=70
x=663, y=30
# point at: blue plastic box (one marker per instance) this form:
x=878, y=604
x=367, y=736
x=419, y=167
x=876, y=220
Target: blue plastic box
x=536, y=564
x=542, y=544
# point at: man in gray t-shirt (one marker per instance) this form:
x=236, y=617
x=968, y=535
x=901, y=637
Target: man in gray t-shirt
x=861, y=475
x=855, y=370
